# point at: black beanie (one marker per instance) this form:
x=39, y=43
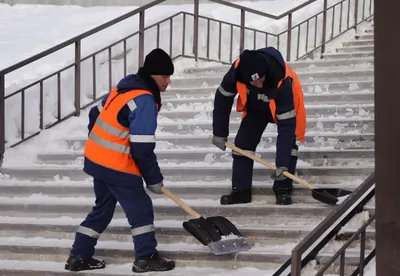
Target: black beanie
x=252, y=66
x=158, y=62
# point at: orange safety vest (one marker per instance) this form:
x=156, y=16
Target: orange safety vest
x=108, y=144
x=297, y=96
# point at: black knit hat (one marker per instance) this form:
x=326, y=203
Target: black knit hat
x=252, y=66
x=158, y=62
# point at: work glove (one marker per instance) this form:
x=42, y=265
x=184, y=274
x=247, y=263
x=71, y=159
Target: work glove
x=155, y=188
x=220, y=142
x=278, y=174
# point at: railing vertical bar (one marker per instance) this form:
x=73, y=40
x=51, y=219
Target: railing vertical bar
x=125, y=59
x=158, y=35
x=22, y=114
x=279, y=42
x=41, y=105
x=242, y=31
x=220, y=40
x=289, y=37
x=183, y=34
x=315, y=31
x=333, y=21
x=171, y=35
x=355, y=14
x=59, y=96
x=363, y=10
x=362, y=252
x=141, y=38
x=341, y=17
x=231, y=46
x=370, y=7
x=2, y=117
x=296, y=263
x=255, y=40
x=348, y=13
x=94, y=77
x=298, y=41
x=324, y=19
x=208, y=38
x=342, y=263
x=266, y=39
x=109, y=70
x=196, y=30
x=307, y=34
x=78, y=78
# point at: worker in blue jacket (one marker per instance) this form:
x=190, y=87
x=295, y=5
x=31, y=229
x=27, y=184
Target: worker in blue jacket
x=269, y=91
x=119, y=155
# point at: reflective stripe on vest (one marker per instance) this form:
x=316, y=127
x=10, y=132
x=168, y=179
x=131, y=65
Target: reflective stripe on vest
x=299, y=112
x=108, y=144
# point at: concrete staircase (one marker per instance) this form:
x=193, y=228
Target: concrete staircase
x=39, y=214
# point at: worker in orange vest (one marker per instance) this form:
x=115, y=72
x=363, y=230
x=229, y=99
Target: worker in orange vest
x=119, y=155
x=269, y=91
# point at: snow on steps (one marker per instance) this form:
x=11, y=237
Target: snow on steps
x=39, y=217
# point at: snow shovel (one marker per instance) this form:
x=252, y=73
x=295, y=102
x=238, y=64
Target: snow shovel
x=217, y=232
x=328, y=196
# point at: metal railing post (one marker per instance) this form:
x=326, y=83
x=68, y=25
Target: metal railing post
x=141, y=38
x=242, y=23
x=196, y=30
x=324, y=19
x=2, y=118
x=77, y=78
x=355, y=14
x=296, y=263
x=289, y=37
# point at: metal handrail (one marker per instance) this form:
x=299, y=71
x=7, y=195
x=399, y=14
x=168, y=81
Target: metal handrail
x=329, y=228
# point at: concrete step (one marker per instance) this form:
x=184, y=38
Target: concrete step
x=204, y=123
x=325, y=139
x=359, y=43
x=261, y=190
x=187, y=254
x=311, y=156
x=364, y=36
x=301, y=67
x=51, y=268
x=356, y=49
x=350, y=93
x=167, y=231
x=352, y=55
x=215, y=78
x=165, y=208
x=194, y=171
x=187, y=111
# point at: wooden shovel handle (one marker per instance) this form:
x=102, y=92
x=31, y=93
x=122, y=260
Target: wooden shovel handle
x=182, y=204
x=266, y=163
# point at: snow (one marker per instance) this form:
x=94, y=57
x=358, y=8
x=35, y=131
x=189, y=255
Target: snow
x=22, y=32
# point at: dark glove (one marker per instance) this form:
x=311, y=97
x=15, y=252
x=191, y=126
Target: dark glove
x=278, y=174
x=155, y=188
x=220, y=142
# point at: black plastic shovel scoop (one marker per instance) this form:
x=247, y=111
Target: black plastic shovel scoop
x=217, y=232
x=328, y=196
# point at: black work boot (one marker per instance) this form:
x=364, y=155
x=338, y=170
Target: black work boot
x=152, y=263
x=236, y=196
x=283, y=196
x=75, y=264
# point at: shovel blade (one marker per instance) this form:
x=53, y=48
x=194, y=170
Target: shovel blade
x=229, y=245
x=329, y=195
x=218, y=233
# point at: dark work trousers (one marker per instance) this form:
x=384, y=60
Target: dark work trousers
x=138, y=209
x=248, y=138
